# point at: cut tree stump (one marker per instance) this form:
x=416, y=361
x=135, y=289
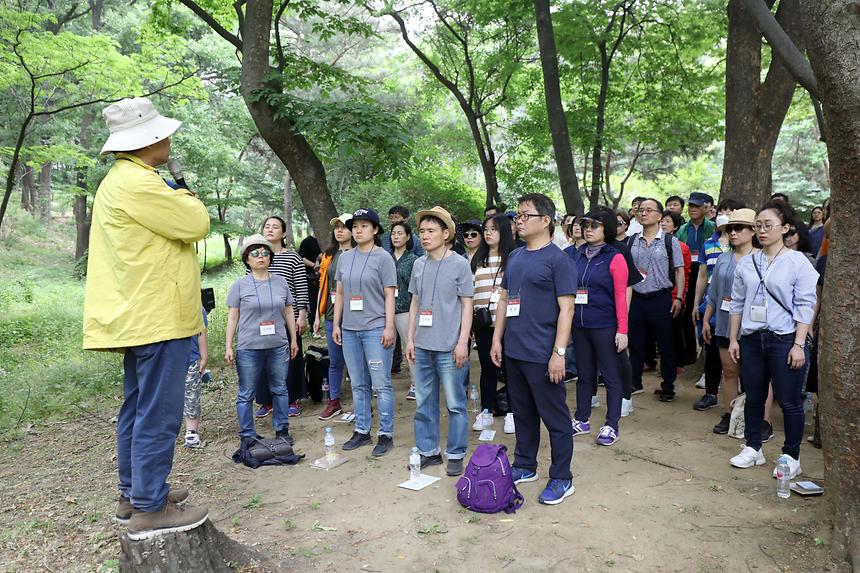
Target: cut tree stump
x=203, y=549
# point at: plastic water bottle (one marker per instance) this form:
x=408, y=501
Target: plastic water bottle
x=486, y=420
x=414, y=464
x=783, y=483
x=473, y=396
x=325, y=390
x=329, y=444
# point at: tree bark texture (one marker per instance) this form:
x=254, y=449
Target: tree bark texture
x=833, y=37
x=555, y=110
x=202, y=550
x=288, y=209
x=83, y=218
x=291, y=147
x=46, y=195
x=28, y=189
x=755, y=110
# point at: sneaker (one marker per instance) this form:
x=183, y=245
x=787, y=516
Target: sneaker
x=580, y=428
x=331, y=410
x=570, y=377
x=192, y=440
x=595, y=402
x=455, y=468
x=722, y=426
x=293, y=411
x=793, y=467
x=124, y=509
x=637, y=391
x=285, y=434
x=626, y=407
x=383, y=446
x=607, y=436
x=523, y=476
x=509, y=423
x=748, y=458
x=263, y=411
x=666, y=397
x=479, y=424
x=411, y=394
x=706, y=402
x=766, y=431
x=169, y=519
x=434, y=460
x=700, y=383
x=556, y=490
x=356, y=441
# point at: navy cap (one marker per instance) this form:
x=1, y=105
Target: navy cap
x=365, y=214
x=471, y=224
x=510, y=214
x=698, y=199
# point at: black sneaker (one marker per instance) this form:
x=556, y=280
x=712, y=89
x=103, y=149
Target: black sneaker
x=356, y=441
x=666, y=397
x=455, y=467
x=705, y=402
x=429, y=461
x=766, y=431
x=285, y=434
x=383, y=446
x=723, y=426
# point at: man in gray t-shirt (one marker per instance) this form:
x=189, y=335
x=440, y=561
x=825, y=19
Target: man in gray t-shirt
x=365, y=275
x=440, y=321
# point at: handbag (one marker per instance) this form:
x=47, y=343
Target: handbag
x=260, y=451
x=481, y=318
x=736, y=422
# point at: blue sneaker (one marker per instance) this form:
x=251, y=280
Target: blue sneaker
x=607, y=436
x=580, y=428
x=521, y=476
x=556, y=490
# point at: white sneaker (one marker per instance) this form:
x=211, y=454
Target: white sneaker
x=478, y=425
x=748, y=458
x=700, y=383
x=626, y=407
x=192, y=440
x=509, y=423
x=595, y=402
x=793, y=467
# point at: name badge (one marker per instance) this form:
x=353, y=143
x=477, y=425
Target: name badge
x=495, y=295
x=333, y=295
x=267, y=328
x=581, y=296
x=356, y=302
x=758, y=313
x=726, y=304
x=513, y=307
x=425, y=318
x=694, y=255
x=397, y=293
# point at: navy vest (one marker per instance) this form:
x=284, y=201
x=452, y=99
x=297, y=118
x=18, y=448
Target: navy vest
x=594, y=275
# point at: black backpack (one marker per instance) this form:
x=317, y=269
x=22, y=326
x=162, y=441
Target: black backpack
x=316, y=368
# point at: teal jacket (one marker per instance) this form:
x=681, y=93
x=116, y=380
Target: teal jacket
x=687, y=234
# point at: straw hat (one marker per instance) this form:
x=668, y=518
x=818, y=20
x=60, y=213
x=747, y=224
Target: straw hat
x=742, y=217
x=441, y=214
x=134, y=124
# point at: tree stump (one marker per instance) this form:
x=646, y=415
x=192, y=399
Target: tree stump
x=203, y=549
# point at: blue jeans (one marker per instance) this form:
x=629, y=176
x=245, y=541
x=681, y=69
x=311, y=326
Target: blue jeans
x=369, y=365
x=335, y=362
x=434, y=369
x=149, y=419
x=256, y=365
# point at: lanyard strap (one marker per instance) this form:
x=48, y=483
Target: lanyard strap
x=435, y=280
x=352, y=264
x=271, y=298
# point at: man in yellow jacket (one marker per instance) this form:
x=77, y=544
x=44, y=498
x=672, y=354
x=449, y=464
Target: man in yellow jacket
x=143, y=299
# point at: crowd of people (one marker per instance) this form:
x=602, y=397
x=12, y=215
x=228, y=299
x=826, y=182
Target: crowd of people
x=544, y=300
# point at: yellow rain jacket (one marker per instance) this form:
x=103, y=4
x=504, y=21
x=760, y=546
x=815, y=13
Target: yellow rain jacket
x=143, y=279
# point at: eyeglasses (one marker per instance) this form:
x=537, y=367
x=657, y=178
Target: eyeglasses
x=526, y=216
x=471, y=234
x=767, y=226
x=259, y=253
x=622, y=222
x=586, y=224
x=647, y=211
x=489, y=230
x=735, y=228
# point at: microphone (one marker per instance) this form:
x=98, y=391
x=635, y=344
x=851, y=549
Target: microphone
x=176, y=172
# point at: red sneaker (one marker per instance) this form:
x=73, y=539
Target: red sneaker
x=332, y=410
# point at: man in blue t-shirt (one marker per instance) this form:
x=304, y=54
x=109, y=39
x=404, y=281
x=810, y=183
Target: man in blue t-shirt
x=534, y=315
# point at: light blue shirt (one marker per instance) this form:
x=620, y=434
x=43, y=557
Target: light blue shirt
x=791, y=278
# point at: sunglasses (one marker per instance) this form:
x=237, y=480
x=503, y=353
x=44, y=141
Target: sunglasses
x=736, y=228
x=259, y=253
x=586, y=224
x=471, y=234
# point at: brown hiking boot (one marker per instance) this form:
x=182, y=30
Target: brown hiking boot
x=332, y=410
x=124, y=509
x=169, y=519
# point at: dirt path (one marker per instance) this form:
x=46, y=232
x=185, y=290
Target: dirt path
x=664, y=498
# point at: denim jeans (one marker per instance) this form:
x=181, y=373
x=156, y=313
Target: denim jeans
x=149, y=419
x=294, y=376
x=763, y=359
x=435, y=369
x=369, y=365
x=254, y=366
x=335, y=362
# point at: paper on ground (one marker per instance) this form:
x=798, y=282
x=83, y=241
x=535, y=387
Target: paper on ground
x=420, y=483
x=487, y=435
x=324, y=463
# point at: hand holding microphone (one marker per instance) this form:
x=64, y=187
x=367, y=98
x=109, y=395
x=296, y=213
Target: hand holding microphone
x=178, y=176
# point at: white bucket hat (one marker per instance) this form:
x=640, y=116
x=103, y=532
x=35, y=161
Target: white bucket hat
x=134, y=123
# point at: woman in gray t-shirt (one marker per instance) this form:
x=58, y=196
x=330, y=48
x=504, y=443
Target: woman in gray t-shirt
x=261, y=310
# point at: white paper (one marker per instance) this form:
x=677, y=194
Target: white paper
x=487, y=435
x=324, y=463
x=420, y=483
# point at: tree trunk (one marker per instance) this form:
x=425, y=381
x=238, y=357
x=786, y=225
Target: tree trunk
x=46, y=195
x=290, y=146
x=754, y=110
x=596, y=159
x=288, y=208
x=83, y=218
x=28, y=189
x=203, y=549
x=228, y=249
x=833, y=34
x=555, y=110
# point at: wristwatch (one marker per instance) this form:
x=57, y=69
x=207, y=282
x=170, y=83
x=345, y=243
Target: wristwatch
x=560, y=350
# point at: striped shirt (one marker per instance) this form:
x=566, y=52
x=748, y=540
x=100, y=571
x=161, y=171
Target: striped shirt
x=289, y=264
x=486, y=278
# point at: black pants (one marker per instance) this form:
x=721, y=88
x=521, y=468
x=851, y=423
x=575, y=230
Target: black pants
x=534, y=399
x=652, y=314
x=626, y=373
x=296, y=386
x=687, y=327
x=489, y=371
x=713, y=368
x=397, y=359
x=596, y=347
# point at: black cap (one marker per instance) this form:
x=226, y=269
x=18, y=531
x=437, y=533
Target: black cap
x=365, y=214
x=471, y=224
x=698, y=199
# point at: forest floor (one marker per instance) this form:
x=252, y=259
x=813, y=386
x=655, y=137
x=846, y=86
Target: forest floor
x=663, y=498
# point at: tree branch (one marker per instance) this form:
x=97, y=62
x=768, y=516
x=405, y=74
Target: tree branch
x=212, y=23
x=278, y=46
x=66, y=18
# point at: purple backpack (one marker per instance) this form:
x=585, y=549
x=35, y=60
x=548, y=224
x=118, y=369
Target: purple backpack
x=487, y=485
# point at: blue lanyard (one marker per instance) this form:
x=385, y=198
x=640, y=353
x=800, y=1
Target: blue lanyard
x=271, y=298
x=352, y=264
x=423, y=274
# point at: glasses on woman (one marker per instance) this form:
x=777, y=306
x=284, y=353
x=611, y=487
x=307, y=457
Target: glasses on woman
x=735, y=228
x=586, y=224
x=471, y=234
x=489, y=230
x=767, y=226
x=259, y=253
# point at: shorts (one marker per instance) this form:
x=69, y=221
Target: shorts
x=721, y=341
x=192, y=391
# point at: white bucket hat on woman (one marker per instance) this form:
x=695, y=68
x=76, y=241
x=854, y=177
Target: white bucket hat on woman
x=134, y=124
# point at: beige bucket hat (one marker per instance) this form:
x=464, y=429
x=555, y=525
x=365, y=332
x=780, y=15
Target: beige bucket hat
x=134, y=123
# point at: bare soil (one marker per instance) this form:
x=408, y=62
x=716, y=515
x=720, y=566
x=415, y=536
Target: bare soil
x=663, y=498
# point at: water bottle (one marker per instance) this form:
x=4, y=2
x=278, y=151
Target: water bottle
x=329, y=444
x=808, y=406
x=473, y=396
x=486, y=420
x=414, y=464
x=783, y=489
x=325, y=390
